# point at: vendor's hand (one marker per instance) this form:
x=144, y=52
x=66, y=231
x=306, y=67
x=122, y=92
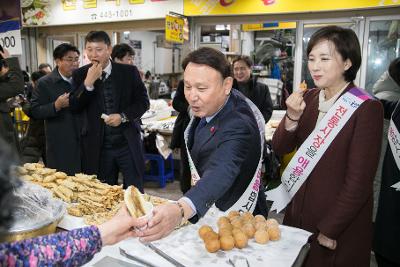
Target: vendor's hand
x=325, y=241
x=5, y=54
x=62, y=101
x=94, y=73
x=120, y=227
x=295, y=105
x=166, y=218
x=113, y=120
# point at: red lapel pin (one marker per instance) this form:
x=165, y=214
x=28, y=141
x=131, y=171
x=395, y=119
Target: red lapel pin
x=212, y=129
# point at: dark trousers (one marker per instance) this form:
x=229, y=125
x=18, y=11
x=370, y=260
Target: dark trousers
x=114, y=160
x=384, y=262
x=186, y=177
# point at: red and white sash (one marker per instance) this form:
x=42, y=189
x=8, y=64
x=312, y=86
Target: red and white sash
x=314, y=147
x=394, y=142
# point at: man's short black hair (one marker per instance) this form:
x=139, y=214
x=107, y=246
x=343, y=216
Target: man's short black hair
x=246, y=59
x=121, y=50
x=394, y=70
x=98, y=36
x=210, y=57
x=44, y=65
x=61, y=50
x=36, y=75
x=346, y=44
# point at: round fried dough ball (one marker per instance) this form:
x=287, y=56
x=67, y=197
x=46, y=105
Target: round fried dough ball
x=232, y=214
x=227, y=242
x=210, y=235
x=223, y=220
x=204, y=229
x=272, y=222
x=240, y=240
x=249, y=230
x=224, y=231
x=227, y=226
x=237, y=222
x=261, y=236
x=236, y=230
x=261, y=225
x=212, y=245
x=248, y=220
x=259, y=218
x=247, y=215
x=274, y=233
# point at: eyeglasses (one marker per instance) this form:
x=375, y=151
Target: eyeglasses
x=71, y=59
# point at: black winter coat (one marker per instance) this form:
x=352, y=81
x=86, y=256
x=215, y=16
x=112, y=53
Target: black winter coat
x=387, y=222
x=11, y=84
x=259, y=95
x=61, y=127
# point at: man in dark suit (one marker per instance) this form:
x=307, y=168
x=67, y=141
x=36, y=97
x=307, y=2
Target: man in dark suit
x=50, y=102
x=224, y=142
x=111, y=98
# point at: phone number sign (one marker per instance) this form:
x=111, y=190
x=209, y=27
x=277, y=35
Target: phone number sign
x=10, y=36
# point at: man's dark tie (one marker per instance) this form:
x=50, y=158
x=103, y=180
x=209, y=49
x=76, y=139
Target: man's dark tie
x=103, y=76
x=201, y=124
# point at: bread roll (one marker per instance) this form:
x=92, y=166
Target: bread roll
x=134, y=202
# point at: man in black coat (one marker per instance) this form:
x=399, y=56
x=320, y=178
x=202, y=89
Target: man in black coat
x=257, y=92
x=180, y=104
x=111, y=98
x=11, y=84
x=50, y=102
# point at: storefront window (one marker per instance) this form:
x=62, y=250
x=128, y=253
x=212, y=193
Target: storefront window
x=383, y=47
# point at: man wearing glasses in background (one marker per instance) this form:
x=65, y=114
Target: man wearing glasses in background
x=50, y=101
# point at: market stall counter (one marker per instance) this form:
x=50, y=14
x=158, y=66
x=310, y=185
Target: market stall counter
x=186, y=247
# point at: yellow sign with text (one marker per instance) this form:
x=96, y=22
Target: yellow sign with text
x=174, y=29
x=238, y=7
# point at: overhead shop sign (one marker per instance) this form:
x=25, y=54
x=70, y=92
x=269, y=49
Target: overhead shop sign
x=10, y=28
x=70, y=12
x=239, y=7
x=266, y=26
x=174, y=29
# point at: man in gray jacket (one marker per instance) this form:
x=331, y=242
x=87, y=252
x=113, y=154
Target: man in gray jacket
x=50, y=101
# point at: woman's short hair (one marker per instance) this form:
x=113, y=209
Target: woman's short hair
x=210, y=57
x=346, y=44
x=246, y=59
